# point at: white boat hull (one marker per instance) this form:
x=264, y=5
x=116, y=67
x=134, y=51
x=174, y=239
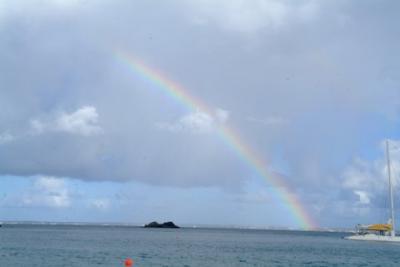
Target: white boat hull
x=372, y=237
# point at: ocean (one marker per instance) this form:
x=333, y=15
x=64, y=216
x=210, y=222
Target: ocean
x=77, y=245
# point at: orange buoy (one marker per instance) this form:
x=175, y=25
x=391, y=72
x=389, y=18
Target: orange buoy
x=128, y=262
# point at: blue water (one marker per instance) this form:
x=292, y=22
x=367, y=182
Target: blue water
x=63, y=245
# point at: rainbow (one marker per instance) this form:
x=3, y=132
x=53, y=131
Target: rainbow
x=229, y=136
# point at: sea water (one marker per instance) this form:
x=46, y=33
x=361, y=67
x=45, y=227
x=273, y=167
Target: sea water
x=68, y=245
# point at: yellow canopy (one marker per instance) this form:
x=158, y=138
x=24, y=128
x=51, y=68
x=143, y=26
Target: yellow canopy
x=380, y=227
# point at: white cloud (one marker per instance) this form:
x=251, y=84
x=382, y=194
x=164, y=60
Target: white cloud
x=367, y=179
x=363, y=175
x=363, y=196
x=197, y=122
x=250, y=16
x=48, y=192
x=83, y=121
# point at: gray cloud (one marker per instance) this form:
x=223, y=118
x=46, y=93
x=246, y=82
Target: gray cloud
x=328, y=69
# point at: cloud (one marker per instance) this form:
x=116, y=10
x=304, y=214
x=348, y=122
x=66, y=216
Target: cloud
x=197, y=122
x=368, y=180
x=364, y=198
x=372, y=175
x=100, y=204
x=83, y=121
x=8, y=9
x=37, y=126
x=6, y=137
x=221, y=115
x=327, y=70
x=251, y=16
x=47, y=192
x=363, y=175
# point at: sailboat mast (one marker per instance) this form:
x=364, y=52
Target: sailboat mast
x=390, y=188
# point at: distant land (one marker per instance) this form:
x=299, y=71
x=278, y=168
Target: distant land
x=161, y=225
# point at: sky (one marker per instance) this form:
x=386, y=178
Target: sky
x=310, y=87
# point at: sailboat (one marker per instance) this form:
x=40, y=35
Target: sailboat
x=379, y=232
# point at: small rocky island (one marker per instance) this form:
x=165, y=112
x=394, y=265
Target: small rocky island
x=161, y=225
